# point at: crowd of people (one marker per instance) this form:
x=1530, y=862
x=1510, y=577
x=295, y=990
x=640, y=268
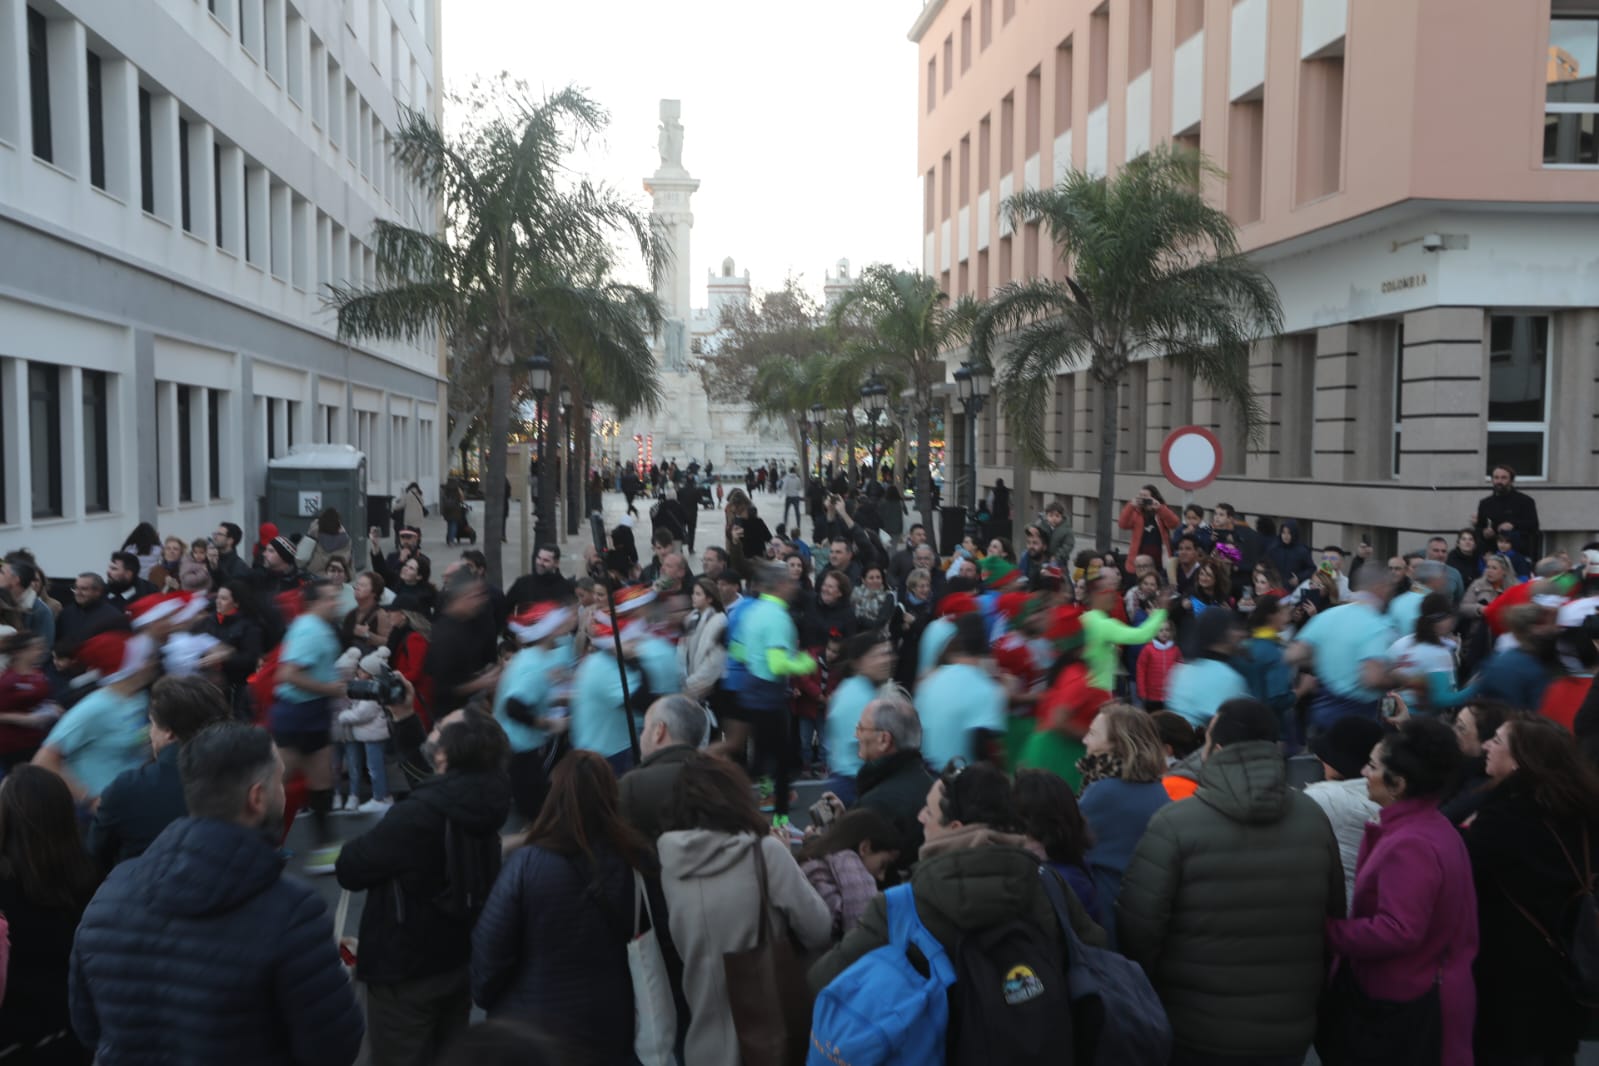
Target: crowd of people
x=1287, y=796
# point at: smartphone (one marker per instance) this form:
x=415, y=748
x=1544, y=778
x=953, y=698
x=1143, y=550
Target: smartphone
x=1365, y=539
x=822, y=814
x=1390, y=706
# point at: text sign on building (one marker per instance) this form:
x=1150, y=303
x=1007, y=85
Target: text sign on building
x=1409, y=281
x=310, y=504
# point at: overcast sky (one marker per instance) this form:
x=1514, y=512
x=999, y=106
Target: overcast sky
x=799, y=119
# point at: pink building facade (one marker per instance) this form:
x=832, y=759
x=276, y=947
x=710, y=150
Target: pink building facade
x=1420, y=178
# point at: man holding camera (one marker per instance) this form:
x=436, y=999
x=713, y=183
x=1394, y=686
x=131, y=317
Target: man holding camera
x=301, y=718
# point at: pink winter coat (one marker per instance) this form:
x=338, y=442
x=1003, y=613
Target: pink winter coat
x=1414, y=917
x=845, y=885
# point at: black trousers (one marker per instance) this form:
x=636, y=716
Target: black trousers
x=776, y=751
x=411, y=1023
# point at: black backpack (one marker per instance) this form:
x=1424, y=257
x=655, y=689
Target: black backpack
x=1009, y=1003
x=471, y=865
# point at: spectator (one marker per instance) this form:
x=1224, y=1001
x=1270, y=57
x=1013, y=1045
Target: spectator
x=1343, y=751
x=675, y=727
x=1526, y=844
x=1156, y=662
x=1056, y=829
x=176, y=947
x=1121, y=793
x=1062, y=541
x=1475, y=724
x=702, y=650
x=1506, y=510
x=27, y=711
x=893, y=779
x=46, y=880
x=1412, y=925
x=1200, y=879
x=142, y=802
x=1149, y=523
x=848, y=862
x=715, y=853
x=976, y=872
x=1290, y=558
x=17, y=578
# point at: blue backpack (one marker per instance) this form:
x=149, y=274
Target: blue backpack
x=882, y=1011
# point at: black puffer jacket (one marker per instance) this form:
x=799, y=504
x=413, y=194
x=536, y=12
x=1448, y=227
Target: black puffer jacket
x=201, y=952
x=1224, y=904
x=407, y=928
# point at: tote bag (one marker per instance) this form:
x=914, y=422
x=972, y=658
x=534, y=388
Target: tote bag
x=655, y=1014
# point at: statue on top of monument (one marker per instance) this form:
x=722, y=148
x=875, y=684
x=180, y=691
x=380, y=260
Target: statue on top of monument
x=671, y=139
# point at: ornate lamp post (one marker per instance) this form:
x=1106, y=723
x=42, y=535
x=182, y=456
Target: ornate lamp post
x=874, y=398
x=971, y=385
x=538, y=379
x=817, y=415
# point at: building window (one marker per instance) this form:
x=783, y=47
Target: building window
x=213, y=422
x=1321, y=128
x=1007, y=134
x=146, y=154
x=39, y=84
x=1190, y=18
x=1098, y=57
x=1518, y=393
x=96, y=443
x=184, y=183
x=96, y=124
x=1007, y=11
x=932, y=84
x=1032, y=135
x=216, y=188
x=185, y=445
x=1571, y=94
x=985, y=28
x=1246, y=159
x=966, y=42
x=1063, y=87
x=949, y=64
x=44, y=438
x=1140, y=31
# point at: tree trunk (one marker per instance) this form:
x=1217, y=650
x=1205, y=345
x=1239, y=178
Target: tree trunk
x=494, y=490
x=1109, y=416
x=849, y=450
x=924, y=466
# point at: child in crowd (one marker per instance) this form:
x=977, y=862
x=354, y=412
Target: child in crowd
x=1155, y=665
x=363, y=728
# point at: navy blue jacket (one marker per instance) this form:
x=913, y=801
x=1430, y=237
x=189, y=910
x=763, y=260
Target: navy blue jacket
x=201, y=952
x=551, y=952
x=135, y=808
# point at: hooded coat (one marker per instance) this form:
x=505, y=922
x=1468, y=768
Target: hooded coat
x=1195, y=899
x=713, y=899
x=200, y=952
x=971, y=878
x=1292, y=560
x=400, y=863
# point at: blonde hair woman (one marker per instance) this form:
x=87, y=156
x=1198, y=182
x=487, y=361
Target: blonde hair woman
x=1122, y=791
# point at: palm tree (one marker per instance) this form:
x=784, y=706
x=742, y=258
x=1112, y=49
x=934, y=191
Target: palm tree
x=1154, y=271
x=905, y=325
x=517, y=228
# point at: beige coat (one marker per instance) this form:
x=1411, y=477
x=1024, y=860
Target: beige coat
x=712, y=895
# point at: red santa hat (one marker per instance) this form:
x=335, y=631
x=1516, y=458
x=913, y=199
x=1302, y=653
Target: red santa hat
x=148, y=610
x=538, y=621
x=956, y=604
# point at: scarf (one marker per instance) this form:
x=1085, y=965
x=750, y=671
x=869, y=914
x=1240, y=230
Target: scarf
x=1099, y=767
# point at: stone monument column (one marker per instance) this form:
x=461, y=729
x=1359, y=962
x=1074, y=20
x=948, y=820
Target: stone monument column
x=671, y=188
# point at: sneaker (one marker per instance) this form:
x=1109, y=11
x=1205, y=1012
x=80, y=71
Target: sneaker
x=374, y=806
x=343, y=804
x=321, y=860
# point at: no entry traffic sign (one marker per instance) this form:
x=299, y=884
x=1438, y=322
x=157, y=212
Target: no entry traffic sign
x=1191, y=457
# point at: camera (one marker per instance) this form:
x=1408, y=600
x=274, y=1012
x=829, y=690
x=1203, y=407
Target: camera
x=387, y=689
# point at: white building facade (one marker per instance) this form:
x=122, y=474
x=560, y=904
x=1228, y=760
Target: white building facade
x=180, y=180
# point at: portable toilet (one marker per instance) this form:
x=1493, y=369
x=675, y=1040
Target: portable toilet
x=311, y=478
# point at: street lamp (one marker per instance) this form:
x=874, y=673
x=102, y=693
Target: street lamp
x=874, y=398
x=971, y=386
x=817, y=415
